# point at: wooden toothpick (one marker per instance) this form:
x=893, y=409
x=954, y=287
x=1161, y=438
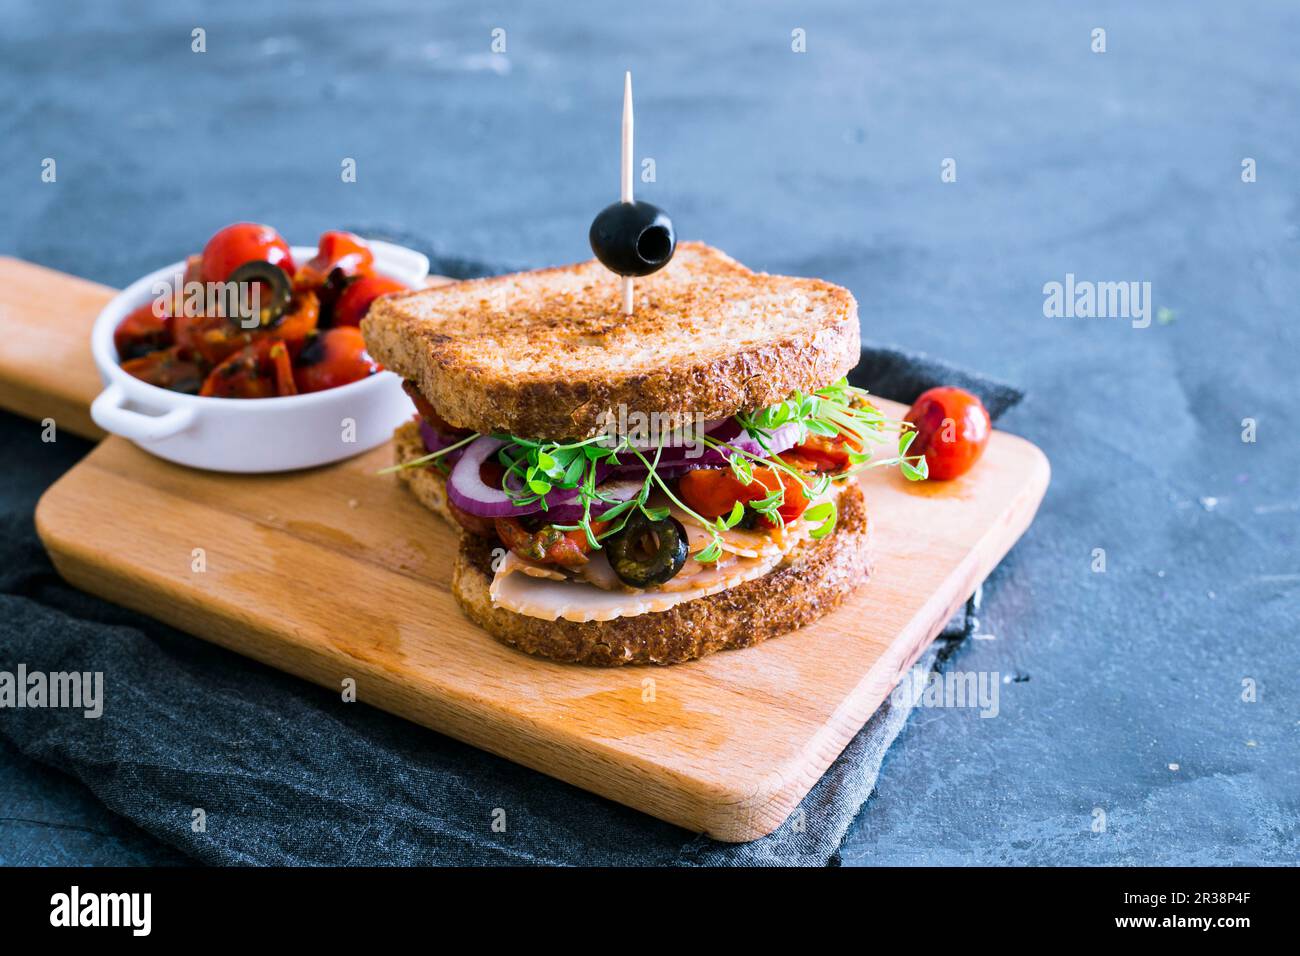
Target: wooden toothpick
x=627, y=172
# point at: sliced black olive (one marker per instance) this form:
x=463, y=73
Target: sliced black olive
x=633, y=238
x=647, y=552
x=275, y=291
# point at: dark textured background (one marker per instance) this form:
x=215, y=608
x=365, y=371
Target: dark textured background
x=1118, y=166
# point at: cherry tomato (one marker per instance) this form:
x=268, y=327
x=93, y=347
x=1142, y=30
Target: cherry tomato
x=713, y=492
x=952, y=429
x=209, y=338
x=259, y=370
x=244, y=242
x=332, y=358
x=355, y=301
x=796, y=501
x=299, y=320
x=548, y=544
x=193, y=269
x=167, y=368
x=140, y=333
x=337, y=250
x=825, y=454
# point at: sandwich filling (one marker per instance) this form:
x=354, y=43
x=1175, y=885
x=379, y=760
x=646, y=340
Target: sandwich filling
x=621, y=524
x=594, y=591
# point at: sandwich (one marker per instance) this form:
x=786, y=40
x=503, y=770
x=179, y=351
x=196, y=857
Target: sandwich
x=647, y=488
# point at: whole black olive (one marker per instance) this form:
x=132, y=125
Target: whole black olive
x=647, y=552
x=274, y=294
x=633, y=238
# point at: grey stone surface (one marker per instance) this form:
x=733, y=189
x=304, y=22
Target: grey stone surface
x=1118, y=166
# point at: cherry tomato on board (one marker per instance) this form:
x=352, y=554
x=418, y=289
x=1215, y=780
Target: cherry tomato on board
x=140, y=333
x=356, y=299
x=348, y=253
x=332, y=358
x=952, y=429
x=260, y=370
x=244, y=242
x=167, y=368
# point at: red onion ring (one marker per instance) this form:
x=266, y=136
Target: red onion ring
x=469, y=493
x=436, y=441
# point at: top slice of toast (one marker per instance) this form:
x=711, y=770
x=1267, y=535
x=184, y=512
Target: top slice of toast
x=549, y=354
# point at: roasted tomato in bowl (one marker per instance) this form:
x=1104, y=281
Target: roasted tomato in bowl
x=245, y=321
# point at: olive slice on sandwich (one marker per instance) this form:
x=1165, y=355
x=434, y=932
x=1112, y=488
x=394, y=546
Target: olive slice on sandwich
x=645, y=552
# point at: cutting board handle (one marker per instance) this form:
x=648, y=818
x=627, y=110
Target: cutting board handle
x=46, y=371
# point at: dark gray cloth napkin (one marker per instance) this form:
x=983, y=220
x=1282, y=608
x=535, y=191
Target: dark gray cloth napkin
x=286, y=773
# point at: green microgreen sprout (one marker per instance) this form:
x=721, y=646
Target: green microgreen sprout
x=433, y=458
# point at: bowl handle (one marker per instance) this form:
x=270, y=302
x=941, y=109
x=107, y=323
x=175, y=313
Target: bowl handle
x=111, y=414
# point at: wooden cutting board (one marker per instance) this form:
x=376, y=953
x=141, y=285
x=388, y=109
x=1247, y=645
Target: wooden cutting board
x=337, y=574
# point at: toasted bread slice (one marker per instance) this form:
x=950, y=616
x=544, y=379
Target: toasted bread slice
x=548, y=354
x=809, y=583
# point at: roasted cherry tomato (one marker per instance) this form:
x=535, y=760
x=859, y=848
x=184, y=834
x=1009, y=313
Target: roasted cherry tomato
x=337, y=250
x=355, y=301
x=713, y=492
x=547, y=544
x=140, y=333
x=952, y=428
x=209, y=338
x=244, y=242
x=260, y=370
x=824, y=454
x=332, y=358
x=299, y=320
x=166, y=368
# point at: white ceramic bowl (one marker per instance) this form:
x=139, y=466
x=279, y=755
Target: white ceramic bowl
x=249, y=435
